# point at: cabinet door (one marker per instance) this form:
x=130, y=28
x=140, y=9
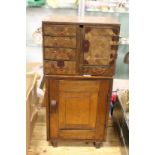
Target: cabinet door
x=99, y=48
x=97, y=45
x=79, y=108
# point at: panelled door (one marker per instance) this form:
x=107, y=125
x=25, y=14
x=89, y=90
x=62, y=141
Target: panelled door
x=99, y=49
x=78, y=108
x=98, y=45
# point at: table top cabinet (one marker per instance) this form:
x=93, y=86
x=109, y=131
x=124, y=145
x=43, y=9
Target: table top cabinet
x=79, y=57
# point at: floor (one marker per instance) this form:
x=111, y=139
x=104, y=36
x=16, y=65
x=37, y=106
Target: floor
x=40, y=146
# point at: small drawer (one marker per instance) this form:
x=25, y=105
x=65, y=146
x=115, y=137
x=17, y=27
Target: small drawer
x=59, y=30
x=60, y=67
x=59, y=53
x=69, y=42
x=107, y=71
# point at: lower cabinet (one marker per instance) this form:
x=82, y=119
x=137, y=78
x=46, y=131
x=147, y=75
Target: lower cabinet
x=77, y=109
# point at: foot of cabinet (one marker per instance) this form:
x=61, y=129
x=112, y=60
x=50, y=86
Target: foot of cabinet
x=54, y=143
x=97, y=144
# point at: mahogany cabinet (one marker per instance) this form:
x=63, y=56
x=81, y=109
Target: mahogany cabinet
x=79, y=57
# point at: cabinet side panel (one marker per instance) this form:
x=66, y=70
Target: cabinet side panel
x=108, y=107
x=103, y=107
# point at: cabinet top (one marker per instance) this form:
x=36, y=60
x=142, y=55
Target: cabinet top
x=81, y=20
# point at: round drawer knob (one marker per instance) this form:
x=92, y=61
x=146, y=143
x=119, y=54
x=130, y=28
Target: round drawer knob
x=60, y=63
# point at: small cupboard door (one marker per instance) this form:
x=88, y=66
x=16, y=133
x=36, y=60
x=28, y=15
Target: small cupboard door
x=97, y=44
x=78, y=109
x=99, y=48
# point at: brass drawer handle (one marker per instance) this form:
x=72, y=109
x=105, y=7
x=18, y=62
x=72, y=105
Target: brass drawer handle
x=113, y=55
x=116, y=31
x=115, y=38
x=112, y=62
x=114, y=47
x=60, y=63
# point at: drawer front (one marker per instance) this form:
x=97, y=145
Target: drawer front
x=69, y=42
x=60, y=67
x=59, y=30
x=97, y=71
x=59, y=53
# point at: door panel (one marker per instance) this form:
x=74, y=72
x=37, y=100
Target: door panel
x=81, y=110
x=97, y=46
x=78, y=108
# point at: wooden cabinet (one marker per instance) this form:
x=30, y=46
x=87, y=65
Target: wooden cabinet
x=79, y=61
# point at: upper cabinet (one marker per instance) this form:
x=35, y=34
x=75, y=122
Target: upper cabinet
x=97, y=8
x=80, y=47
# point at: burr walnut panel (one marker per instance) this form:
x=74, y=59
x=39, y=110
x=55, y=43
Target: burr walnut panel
x=97, y=46
x=68, y=42
x=60, y=67
x=59, y=30
x=59, y=53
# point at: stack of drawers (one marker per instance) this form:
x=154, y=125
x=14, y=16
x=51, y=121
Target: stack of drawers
x=60, y=50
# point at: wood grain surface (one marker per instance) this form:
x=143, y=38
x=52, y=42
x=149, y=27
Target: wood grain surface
x=59, y=30
x=99, y=50
x=68, y=42
x=52, y=67
x=59, y=53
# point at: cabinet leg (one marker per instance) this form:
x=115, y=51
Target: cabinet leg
x=87, y=143
x=97, y=144
x=54, y=143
